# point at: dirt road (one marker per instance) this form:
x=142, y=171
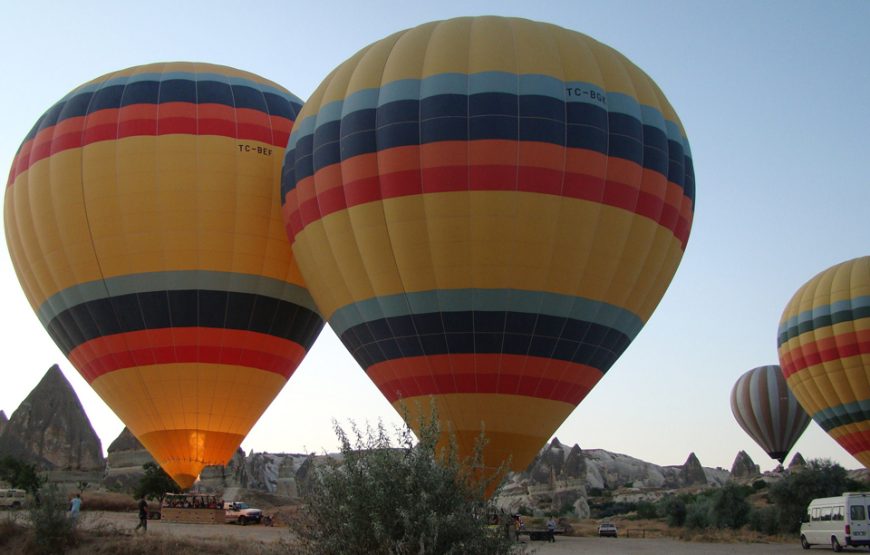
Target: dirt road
x=126, y=522
x=658, y=546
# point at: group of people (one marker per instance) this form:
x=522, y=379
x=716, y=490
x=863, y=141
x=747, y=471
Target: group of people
x=193, y=502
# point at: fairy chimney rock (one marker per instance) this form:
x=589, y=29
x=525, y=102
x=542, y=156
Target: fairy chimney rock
x=50, y=428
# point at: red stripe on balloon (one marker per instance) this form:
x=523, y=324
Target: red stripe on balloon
x=855, y=442
x=484, y=373
x=106, y=354
x=811, y=353
x=487, y=178
x=138, y=120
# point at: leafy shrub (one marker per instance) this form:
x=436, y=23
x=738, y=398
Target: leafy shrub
x=155, y=483
x=674, y=510
x=647, y=510
x=729, y=507
x=765, y=520
x=53, y=531
x=759, y=485
x=698, y=513
x=404, y=497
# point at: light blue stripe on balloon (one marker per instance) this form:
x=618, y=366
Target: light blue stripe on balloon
x=849, y=413
x=511, y=300
x=624, y=104
x=173, y=281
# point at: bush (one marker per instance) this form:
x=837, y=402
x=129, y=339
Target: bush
x=155, y=483
x=759, y=485
x=647, y=510
x=729, y=507
x=21, y=475
x=53, y=531
x=674, y=509
x=698, y=513
x=403, y=498
x=765, y=520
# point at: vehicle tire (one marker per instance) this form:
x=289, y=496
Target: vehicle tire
x=243, y=521
x=804, y=543
x=835, y=545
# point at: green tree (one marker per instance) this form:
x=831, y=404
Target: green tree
x=155, y=484
x=820, y=478
x=21, y=475
x=386, y=497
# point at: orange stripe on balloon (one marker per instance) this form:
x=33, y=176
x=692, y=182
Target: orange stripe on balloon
x=209, y=345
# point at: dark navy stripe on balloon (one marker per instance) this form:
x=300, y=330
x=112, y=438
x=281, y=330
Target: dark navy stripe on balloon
x=491, y=332
x=158, y=92
x=841, y=415
x=825, y=319
x=181, y=309
x=487, y=116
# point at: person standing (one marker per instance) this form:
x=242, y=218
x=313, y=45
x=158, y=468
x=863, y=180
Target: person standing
x=551, y=529
x=75, y=506
x=143, y=515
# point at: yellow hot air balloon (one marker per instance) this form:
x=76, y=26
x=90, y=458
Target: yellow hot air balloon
x=824, y=351
x=487, y=211
x=144, y=225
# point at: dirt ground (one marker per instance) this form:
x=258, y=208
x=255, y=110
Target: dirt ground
x=657, y=546
x=126, y=522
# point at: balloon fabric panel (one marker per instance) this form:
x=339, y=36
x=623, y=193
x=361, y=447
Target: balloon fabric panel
x=142, y=221
x=824, y=349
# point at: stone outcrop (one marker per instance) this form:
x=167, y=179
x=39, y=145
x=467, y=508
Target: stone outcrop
x=3, y=421
x=126, y=456
x=744, y=467
x=692, y=473
x=233, y=475
x=51, y=429
x=797, y=462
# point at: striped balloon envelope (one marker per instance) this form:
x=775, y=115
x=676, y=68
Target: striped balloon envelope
x=487, y=211
x=143, y=221
x=824, y=351
x=766, y=410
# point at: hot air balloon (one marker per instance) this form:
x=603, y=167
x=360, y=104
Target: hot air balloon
x=143, y=222
x=824, y=351
x=766, y=410
x=487, y=211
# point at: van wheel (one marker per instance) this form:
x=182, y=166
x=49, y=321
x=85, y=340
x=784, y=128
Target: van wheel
x=243, y=521
x=835, y=545
x=804, y=543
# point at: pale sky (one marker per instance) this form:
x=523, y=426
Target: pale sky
x=774, y=97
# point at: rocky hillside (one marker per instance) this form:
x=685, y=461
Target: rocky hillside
x=50, y=428
x=124, y=462
x=560, y=478
x=3, y=421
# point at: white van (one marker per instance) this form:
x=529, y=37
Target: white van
x=837, y=521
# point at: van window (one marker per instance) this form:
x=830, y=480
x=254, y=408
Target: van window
x=856, y=512
x=838, y=513
x=826, y=513
x=816, y=514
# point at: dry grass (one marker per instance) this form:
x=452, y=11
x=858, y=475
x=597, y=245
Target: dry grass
x=108, y=501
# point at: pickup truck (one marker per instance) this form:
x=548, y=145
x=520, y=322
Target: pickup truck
x=242, y=513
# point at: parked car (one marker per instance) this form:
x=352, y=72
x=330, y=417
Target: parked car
x=12, y=498
x=242, y=513
x=607, y=529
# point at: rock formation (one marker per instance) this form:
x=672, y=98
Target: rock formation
x=797, y=462
x=692, y=473
x=51, y=429
x=126, y=456
x=744, y=467
x=3, y=421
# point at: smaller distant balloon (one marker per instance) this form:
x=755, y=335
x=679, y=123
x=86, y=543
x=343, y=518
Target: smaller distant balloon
x=766, y=410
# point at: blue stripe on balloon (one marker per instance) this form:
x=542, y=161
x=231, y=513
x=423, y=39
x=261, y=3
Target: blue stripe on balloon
x=823, y=316
x=840, y=415
x=494, y=300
